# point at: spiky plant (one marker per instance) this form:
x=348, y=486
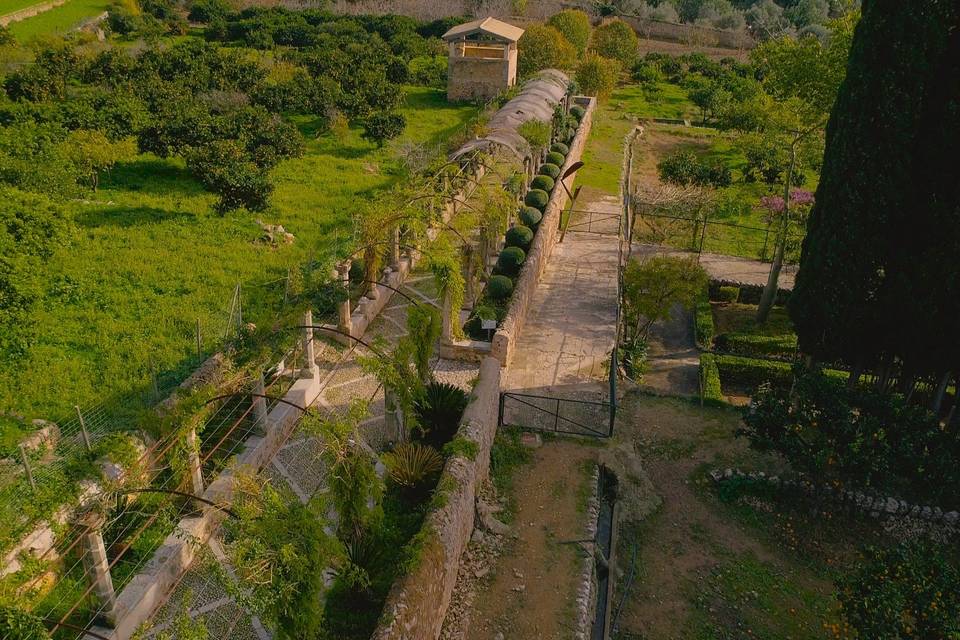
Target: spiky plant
x=413, y=466
x=439, y=411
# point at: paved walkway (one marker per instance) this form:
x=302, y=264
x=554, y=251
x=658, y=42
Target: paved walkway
x=299, y=467
x=571, y=323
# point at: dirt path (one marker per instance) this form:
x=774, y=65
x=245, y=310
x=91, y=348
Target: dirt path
x=530, y=592
x=689, y=547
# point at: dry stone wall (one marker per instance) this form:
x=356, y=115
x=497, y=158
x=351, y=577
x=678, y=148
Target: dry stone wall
x=417, y=604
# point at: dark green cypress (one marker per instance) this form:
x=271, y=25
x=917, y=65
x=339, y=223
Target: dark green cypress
x=877, y=279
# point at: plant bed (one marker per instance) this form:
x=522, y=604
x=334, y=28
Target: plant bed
x=737, y=332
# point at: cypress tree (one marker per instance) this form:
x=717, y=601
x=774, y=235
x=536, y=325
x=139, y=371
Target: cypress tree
x=878, y=280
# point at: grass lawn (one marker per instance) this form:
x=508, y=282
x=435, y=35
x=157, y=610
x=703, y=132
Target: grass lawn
x=9, y=6
x=58, y=20
x=670, y=101
x=150, y=258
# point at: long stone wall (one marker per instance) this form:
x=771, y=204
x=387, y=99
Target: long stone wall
x=417, y=604
x=543, y=243
x=29, y=12
x=690, y=34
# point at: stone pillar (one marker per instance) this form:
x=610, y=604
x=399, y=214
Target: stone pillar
x=446, y=332
x=468, y=273
x=97, y=566
x=393, y=417
x=193, y=463
x=344, y=323
x=260, y=407
x=310, y=369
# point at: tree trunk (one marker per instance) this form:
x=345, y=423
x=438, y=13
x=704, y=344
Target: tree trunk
x=941, y=392
x=769, y=295
x=855, y=375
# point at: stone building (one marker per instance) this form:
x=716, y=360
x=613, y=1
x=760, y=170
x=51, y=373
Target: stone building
x=483, y=59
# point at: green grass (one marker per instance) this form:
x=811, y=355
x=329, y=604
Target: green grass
x=150, y=258
x=58, y=20
x=744, y=336
x=670, y=101
x=506, y=456
x=9, y=6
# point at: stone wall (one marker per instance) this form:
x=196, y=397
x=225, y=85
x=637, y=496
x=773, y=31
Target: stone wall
x=29, y=12
x=543, y=243
x=417, y=604
x=690, y=34
x=477, y=79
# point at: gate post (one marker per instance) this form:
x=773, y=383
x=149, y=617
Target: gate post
x=310, y=369
x=97, y=565
x=260, y=406
x=500, y=410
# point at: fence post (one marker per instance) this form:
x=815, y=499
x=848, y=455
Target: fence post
x=310, y=369
x=556, y=417
x=97, y=565
x=260, y=406
x=83, y=429
x=26, y=467
x=193, y=462
x=500, y=410
x=344, y=323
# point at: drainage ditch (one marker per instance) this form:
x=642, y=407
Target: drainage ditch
x=605, y=544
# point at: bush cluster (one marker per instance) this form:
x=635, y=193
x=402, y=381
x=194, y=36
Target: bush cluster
x=551, y=170
x=559, y=147
x=537, y=198
x=530, y=217
x=511, y=260
x=710, y=380
x=703, y=322
x=729, y=294
x=685, y=168
x=519, y=236
x=544, y=183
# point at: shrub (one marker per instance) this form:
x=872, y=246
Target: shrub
x=543, y=183
x=577, y=112
x=616, y=40
x=500, y=288
x=555, y=158
x=520, y=236
x=729, y=294
x=559, y=147
x=710, y=379
x=574, y=25
x=551, y=170
x=597, y=76
x=703, y=323
x=530, y=217
x=857, y=437
x=414, y=467
x=209, y=10
x=685, y=168
x=510, y=261
x=537, y=198
x=543, y=47
x=536, y=133
x=909, y=591
x=749, y=373
x=474, y=326
x=383, y=125
x=439, y=411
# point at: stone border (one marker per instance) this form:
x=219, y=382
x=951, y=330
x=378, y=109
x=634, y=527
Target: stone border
x=504, y=340
x=587, y=589
x=873, y=505
x=417, y=604
x=29, y=12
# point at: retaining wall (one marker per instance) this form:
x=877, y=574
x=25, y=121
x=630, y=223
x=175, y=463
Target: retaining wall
x=418, y=602
x=690, y=34
x=29, y=12
x=543, y=243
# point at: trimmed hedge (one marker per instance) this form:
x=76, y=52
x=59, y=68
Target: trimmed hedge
x=703, y=323
x=749, y=293
x=537, y=198
x=544, y=183
x=555, y=158
x=499, y=288
x=729, y=294
x=520, y=236
x=530, y=217
x=577, y=111
x=710, y=391
x=747, y=345
x=510, y=261
x=749, y=373
x=552, y=170
x=559, y=147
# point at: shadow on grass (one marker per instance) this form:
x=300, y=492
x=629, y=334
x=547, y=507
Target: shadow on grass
x=125, y=216
x=153, y=175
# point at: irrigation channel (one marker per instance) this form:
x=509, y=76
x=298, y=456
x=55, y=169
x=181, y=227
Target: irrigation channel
x=604, y=547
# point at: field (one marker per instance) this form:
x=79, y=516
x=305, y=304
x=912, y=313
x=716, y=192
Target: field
x=172, y=262
x=58, y=20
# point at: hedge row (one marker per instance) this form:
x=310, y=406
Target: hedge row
x=748, y=293
x=710, y=389
x=747, y=345
x=703, y=322
x=749, y=373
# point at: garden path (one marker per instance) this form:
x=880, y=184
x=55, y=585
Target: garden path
x=298, y=466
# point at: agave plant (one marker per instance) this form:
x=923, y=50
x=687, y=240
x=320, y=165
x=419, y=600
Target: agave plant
x=413, y=466
x=439, y=412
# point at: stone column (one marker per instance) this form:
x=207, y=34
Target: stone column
x=310, y=369
x=260, y=407
x=344, y=324
x=468, y=273
x=395, y=249
x=446, y=332
x=193, y=463
x=97, y=566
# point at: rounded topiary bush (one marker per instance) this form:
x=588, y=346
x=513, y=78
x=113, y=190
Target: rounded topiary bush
x=537, y=198
x=552, y=170
x=520, y=236
x=577, y=111
x=559, y=147
x=500, y=287
x=530, y=217
x=544, y=183
x=357, y=270
x=510, y=261
x=555, y=158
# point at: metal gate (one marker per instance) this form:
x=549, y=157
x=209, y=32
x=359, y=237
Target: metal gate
x=590, y=221
x=556, y=415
